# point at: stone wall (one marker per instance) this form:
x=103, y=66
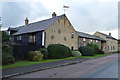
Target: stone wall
x=61, y=33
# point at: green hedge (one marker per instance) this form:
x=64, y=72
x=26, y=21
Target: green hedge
x=87, y=51
x=7, y=59
x=44, y=52
x=35, y=56
x=6, y=49
x=76, y=53
x=100, y=51
x=94, y=46
x=58, y=51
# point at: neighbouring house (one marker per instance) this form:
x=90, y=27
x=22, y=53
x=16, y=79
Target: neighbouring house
x=111, y=44
x=119, y=45
x=56, y=30
x=85, y=38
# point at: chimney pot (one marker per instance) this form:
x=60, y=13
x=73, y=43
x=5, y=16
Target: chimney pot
x=26, y=21
x=54, y=14
x=109, y=34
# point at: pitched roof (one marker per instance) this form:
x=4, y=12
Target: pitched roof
x=107, y=36
x=37, y=26
x=85, y=35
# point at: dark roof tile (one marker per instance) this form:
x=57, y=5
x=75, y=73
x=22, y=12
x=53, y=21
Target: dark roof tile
x=85, y=35
x=37, y=26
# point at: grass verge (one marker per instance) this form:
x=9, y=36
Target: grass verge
x=97, y=55
x=26, y=63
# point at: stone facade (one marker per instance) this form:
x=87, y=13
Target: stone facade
x=119, y=45
x=85, y=41
x=111, y=44
x=62, y=32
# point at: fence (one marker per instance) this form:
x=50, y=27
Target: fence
x=20, y=52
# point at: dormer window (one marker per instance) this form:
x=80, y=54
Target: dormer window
x=72, y=35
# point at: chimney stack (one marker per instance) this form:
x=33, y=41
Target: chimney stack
x=26, y=21
x=54, y=15
x=109, y=34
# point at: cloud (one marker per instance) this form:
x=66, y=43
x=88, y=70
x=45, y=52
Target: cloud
x=85, y=15
x=93, y=16
x=14, y=13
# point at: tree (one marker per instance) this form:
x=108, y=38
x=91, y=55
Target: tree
x=5, y=37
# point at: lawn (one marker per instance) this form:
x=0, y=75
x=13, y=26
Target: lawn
x=25, y=63
x=97, y=55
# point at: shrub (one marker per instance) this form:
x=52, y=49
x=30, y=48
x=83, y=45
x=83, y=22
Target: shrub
x=94, y=46
x=44, y=52
x=58, y=51
x=35, y=56
x=87, y=51
x=100, y=51
x=76, y=53
x=7, y=59
x=6, y=49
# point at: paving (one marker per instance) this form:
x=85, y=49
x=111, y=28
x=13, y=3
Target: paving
x=37, y=67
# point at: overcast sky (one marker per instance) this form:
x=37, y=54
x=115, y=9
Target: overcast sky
x=85, y=15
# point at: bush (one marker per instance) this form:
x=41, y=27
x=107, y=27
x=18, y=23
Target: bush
x=35, y=56
x=76, y=53
x=7, y=59
x=6, y=49
x=87, y=51
x=100, y=51
x=44, y=52
x=58, y=51
x=94, y=46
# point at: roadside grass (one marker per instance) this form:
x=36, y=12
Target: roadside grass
x=95, y=56
x=116, y=52
x=26, y=63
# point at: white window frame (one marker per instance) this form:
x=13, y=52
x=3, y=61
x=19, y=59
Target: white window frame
x=43, y=38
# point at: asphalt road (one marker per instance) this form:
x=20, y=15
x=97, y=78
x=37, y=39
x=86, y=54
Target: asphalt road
x=104, y=67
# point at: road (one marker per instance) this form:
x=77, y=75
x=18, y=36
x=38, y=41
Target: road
x=104, y=67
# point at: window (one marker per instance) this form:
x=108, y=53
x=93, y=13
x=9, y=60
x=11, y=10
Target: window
x=72, y=48
x=108, y=47
x=65, y=38
x=91, y=40
x=32, y=38
x=19, y=37
x=72, y=35
x=96, y=41
x=113, y=47
x=59, y=31
x=84, y=39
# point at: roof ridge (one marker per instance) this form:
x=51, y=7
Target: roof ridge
x=39, y=21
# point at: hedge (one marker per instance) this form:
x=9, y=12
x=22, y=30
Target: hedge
x=94, y=46
x=44, y=52
x=87, y=51
x=35, y=56
x=58, y=51
x=76, y=53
